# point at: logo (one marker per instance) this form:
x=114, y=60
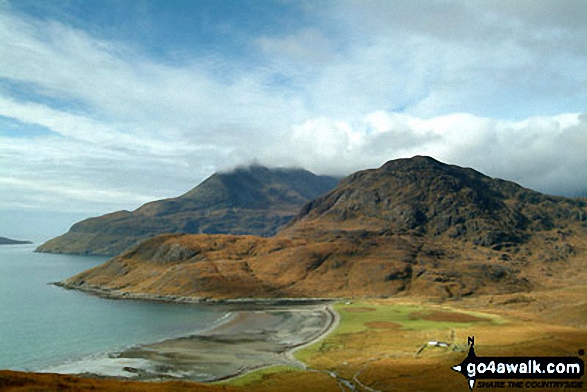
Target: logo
x=520, y=368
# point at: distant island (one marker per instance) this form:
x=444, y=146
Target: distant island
x=8, y=241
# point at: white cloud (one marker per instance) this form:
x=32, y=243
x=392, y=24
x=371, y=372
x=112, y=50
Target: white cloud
x=361, y=84
x=544, y=153
x=115, y=81
x=72, y=191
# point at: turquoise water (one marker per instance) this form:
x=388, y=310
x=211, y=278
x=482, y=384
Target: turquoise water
x=43, y=325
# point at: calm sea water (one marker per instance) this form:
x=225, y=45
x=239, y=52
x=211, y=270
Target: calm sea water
x=43, y=325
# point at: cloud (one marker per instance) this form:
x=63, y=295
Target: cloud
x=544, y=153
x=308, y=46
x=118, y=123
x=47, y=191
x=115, y=81
x=346, y=87
x=498, y=59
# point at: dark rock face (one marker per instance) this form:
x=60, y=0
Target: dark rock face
x=422, y=195
x=254, y=200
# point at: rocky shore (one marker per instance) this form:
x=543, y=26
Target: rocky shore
x=109, y=293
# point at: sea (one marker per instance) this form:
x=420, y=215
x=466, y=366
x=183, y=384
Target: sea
x=43, y=326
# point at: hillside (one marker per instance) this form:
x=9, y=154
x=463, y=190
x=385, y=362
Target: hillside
x=413, y=226
x=8, y=241
x=254, y=200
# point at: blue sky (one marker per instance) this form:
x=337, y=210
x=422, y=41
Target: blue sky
x=105, y=105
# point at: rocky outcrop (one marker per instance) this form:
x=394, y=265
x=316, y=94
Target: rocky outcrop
x=424, y=196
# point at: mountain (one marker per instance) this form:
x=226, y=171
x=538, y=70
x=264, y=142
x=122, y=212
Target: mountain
x=254, y=200
x=8, y=241
x=412, y=227
x=424, y=196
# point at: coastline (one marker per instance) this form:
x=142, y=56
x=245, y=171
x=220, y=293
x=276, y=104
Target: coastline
x=249, y=301
x=333, y=324
x=255, y=333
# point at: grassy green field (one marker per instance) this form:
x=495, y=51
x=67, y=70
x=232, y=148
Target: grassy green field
x=363, y=316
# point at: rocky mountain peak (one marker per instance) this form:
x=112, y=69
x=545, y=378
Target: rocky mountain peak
x=424, y=196
x=248, y=200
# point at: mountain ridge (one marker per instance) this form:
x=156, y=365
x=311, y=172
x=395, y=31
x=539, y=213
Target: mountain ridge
x=411, y=227
x=247, y=200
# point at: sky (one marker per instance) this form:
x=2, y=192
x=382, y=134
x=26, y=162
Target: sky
x=105, y=105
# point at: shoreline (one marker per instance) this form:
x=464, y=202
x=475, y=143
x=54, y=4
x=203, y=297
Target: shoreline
x=179, y=299
x=334, y=323
x=255, y=334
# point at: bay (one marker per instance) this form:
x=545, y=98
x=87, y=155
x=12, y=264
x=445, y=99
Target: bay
x=42, y=325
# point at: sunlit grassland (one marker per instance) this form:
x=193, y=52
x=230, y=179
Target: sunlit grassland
x=386, y=321
x=408, y=316
x=389, y=345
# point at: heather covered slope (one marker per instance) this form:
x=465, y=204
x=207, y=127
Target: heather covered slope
x=414, y=226
x=254, y=200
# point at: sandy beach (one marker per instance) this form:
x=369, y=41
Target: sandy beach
x=252, y=336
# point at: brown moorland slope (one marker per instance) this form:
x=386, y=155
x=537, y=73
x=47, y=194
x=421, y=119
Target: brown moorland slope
x=413, y=226
x=253, y=200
